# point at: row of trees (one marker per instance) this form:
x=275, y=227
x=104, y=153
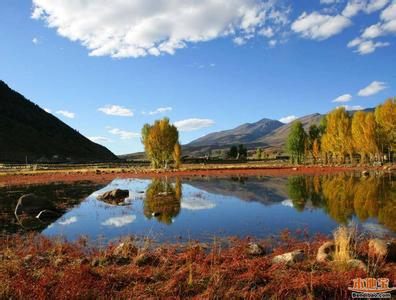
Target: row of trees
x=369, y=135
x=161, y=143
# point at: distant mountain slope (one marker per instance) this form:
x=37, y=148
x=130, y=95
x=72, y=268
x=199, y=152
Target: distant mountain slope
x=243, y=134
x=265, y=133
x=26, y=130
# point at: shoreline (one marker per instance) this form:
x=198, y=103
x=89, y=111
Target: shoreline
x=108, y=174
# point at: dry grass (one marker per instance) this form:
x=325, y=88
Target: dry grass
x=37, y=268
x=345, y=245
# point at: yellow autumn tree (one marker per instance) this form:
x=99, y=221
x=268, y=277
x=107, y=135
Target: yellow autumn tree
x=385, y=116
x=159, y=142
x=177, y=155
x=337, y=141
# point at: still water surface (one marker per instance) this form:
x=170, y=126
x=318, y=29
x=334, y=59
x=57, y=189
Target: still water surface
x=199, y=208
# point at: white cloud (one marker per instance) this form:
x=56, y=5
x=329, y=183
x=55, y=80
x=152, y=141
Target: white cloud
x=99, y=139
x=343, y=98
x=68, y=221
x=47, y=110
x=116, y=110
x=119, y=221
x=193, y=124
x=66, y=114
x=35, y=41
x=197, y=203
x=288, y=119
x=320, y=27
x=352, y=108
x=267, y=32
x=239, y=41
x=137, y=28
x=124, y=135
x=159, y=110
x=355, y=6
x=287, y=203
x=272, y=43
x=372, y=89
x=387, y=25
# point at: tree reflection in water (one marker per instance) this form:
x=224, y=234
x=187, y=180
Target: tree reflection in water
x=342, y=196
x=163, y=200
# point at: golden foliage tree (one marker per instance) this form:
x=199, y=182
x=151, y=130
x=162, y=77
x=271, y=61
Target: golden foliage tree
x=159, y=142
x=385, y=116
x=337, y=141
x=177, y=155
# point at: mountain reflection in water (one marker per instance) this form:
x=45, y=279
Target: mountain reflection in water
x=202, y=207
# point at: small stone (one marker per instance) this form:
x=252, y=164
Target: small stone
x=290, y=257
x=357, y=264
x=255, y=249
x=295, y=169
x=58, y=262
x=144, y=259
x=365, y=173
x=28, y=258
x=382, y=249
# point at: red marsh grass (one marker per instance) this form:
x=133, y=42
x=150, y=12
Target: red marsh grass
x=34, y=267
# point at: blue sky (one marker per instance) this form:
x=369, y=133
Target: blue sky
x=106, y=69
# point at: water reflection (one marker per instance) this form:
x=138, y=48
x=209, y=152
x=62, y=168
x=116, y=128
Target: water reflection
x=200, y=207
x=163, y=200
x=344, y=196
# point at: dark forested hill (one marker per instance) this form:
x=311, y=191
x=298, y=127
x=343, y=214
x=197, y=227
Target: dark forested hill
x=26, y=130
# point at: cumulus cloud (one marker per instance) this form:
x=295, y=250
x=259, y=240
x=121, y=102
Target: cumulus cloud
x=68, y=221
x=66, y=114
x=124, y=135
x=48, y=110
x=372, y=89
x=193, y=124
x=35, y=41
x=368, y=6
x=99, y=139
x=352, y=107
x=288, y=119
x=137, y=28
x=317, y=26
x=343, y=98
x=159, y=110
x=365, y=44
x=119, y=221
x=116, y=110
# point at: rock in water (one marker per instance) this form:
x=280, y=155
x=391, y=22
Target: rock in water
x=116, y=194
x=290, y=257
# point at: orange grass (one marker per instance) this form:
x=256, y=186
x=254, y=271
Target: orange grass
x=35, y=267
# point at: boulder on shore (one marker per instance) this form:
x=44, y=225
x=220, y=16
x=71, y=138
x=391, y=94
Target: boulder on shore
x=325, y=252
x=255, y=249
x=290, y=257
x=382, y=249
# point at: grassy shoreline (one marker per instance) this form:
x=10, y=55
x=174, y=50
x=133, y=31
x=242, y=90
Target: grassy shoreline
x=37, y=267
x=104, y=173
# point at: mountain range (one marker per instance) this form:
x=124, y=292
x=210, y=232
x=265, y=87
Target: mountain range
x=27, y=132
x=266, y=133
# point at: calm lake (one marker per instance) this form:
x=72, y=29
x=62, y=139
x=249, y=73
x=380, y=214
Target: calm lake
x=199, y=208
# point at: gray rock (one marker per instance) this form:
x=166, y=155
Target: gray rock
x=255, y=249
x=325, y=252
x=290, y=257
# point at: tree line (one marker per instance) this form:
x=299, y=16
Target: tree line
x=340, y=136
